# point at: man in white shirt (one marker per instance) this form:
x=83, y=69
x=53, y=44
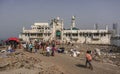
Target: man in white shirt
x=48, y=51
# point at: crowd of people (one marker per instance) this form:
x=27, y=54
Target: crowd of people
x=46, y=48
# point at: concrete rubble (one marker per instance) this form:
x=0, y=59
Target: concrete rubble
x=19, y=60
x=109, y=54
x=20, y=63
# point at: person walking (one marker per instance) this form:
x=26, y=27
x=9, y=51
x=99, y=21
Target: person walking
x=36, y=47
x=30, y=47
x=53, y=50
x=88, y=60
x=48, y=51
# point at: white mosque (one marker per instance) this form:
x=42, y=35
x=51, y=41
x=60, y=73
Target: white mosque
x=55, y=31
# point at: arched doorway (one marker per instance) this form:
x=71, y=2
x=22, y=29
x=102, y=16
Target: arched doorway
x=58, y=34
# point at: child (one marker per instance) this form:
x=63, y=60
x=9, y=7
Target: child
x=89, y=59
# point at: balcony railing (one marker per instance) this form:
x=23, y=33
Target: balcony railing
x=95, y=37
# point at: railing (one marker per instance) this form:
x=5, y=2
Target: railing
x=95, y=37
x=36, y=36
x=74, y=37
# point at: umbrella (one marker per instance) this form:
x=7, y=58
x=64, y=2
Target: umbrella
x=13, y=39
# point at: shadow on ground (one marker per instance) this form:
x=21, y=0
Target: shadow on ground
x=81, y=65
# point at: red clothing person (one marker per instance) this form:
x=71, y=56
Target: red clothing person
x=88, y=57
x=53, y=50
x=88, y=60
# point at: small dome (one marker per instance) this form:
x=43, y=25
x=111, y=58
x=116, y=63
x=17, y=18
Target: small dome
x=74, y=28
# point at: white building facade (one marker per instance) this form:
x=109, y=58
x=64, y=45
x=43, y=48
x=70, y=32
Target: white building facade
x=55, y=31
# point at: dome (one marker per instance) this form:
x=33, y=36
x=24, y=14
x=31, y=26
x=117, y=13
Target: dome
x=74, y=28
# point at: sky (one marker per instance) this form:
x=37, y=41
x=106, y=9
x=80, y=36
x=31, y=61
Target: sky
x=14, y=14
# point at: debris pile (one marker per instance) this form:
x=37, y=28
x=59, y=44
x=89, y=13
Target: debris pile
x=19, y=60
x=109, y=54
x=112, y=58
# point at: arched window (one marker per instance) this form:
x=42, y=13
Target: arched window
x=58, y=34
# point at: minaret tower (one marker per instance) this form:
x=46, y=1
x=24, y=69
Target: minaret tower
x=73, y=22
x=106, y=27
x=23, y=28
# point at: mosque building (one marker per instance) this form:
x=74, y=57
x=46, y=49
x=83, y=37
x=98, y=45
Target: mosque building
x=56, y=31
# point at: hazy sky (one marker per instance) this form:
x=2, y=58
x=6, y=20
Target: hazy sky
x=14, y=14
